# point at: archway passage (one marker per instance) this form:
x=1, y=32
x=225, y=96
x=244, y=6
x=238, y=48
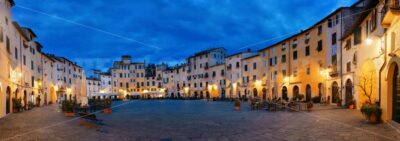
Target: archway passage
x=8, y=100
x=396, y=95
x=264, y=94
x=273, y=93
x=308, y=93
x=335, y=92
x=53, y=97
x=296, y=91
x=349, y=91
x=255, y=92
x=285, y=93
x=25, y=100
x=223, y=95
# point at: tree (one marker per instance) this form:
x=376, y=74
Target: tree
x=367, y=84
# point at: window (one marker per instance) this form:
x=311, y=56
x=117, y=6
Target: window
x=357, y=36
x=337, y=19
x=222, y=72
x=319, y=30
x=283, y=73
x=32, y=65
x=319, y=47
x=16, y=53
x=33, y=81
x=264, y=63
x=254, y=66
x=366, y=28
x=270, y=61
x=348, y=66
x=295, y=55
x=8, y=44
x=294, y=45
x=254, y=77
x=307, y=50
x=334, y=39
x=24, y=60
x=295, y=72
x=284, y=58
x=264, y=54
x=308, y=71
x=307, y=38
x=237, y=64
x=1, y=34
x=348, y=44
x=329, y=23
x=283, y=46
x=245, y=67
x=373, y=20
x=213, y=74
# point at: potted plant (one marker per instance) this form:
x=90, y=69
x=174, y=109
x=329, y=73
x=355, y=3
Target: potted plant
x=352, y=104
x=372, y=112
x=68, y=108
x=237, y=105
x=339, y=102
x=310, y=106
x=30, y=105
x=107, y=103
x=17, y=105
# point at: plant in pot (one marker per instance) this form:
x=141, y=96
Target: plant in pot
x=237, y=105
x=68, y=108
x=310, y=106
x=372, y=112
x=352, y=104
x=17, y=105
x=107, y=103
x=30, y=105
x=339, y=102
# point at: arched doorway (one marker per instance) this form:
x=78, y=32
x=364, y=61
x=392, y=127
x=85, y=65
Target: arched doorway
x=349, y=91
x=335, y=93
x=33, y=97
x=320, y=89
x=223, y=93
x=8, y=100
x=255, y=92
x=53, y=95
x=296, y=91
x=25, y=99
x=245, y=93
x=45, y=98
x=395, y=92
x=308, y=93
x=285, y=93
x=273, y=93
x=264, y=94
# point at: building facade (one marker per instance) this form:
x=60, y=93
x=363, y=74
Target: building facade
x=30, y=76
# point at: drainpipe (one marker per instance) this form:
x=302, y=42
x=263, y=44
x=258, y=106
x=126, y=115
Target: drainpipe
x=383, y=44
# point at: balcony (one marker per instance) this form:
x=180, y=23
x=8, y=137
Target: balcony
x=334, y=72
x=390, y=11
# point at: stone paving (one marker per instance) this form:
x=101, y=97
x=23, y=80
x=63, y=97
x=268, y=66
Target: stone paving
x=169, y=120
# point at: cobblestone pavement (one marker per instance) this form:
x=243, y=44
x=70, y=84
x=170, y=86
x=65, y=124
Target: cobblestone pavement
x=195, y=120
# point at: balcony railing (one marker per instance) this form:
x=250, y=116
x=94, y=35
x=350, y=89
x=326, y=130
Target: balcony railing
x=389, y=11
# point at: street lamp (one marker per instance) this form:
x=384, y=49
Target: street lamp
x=368, y=41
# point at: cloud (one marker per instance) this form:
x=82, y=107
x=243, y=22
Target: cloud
x=179, y=27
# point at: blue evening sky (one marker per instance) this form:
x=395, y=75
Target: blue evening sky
x=96, y=32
